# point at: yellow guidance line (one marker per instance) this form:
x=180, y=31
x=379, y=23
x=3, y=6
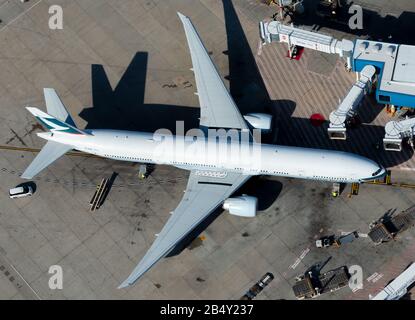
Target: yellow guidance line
x=398, y=185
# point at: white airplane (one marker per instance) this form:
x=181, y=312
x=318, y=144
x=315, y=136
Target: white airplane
x=212, y=180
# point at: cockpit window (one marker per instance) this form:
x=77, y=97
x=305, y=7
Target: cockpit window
x=377, y=172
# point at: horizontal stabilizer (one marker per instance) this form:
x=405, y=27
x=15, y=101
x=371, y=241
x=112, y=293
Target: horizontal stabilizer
x=51, y=152
x=54, y=124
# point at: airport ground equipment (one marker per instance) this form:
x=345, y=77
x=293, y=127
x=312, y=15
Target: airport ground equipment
x=379, y=233
x=311, y=284
x=325, y=242
x=398, y=287
x=99, y=195
x=295, y=52
x=335, y=191
x=143, y=172
x=388, y=178
x=21, y=192
x=347, y=109
x=330, y=241
x=328, y=9
x=398, y=131
x=348, y=238
x=290, y=7
x=355, y=189
x=258, y=287
x=386, y=229
x=197, y=242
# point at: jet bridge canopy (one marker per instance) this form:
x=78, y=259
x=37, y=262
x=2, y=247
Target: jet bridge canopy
x=396, y=132
x=275, y=31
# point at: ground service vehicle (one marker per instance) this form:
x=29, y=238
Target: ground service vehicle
x=21, y=192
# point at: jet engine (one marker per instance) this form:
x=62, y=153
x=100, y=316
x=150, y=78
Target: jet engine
x=244, y=206
x=260, y=121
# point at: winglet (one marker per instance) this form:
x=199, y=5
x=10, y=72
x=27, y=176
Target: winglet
x=124, y=285
x=181, y=16
x=135, y=275
x=145, y=264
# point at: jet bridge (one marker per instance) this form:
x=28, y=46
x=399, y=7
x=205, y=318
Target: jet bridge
x=396, y=132
x=275, y=31
x=390, y=65
x=347, y=108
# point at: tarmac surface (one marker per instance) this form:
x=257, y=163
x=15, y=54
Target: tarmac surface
x=125, y=65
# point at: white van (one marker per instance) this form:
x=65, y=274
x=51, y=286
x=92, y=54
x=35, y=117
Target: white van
x=21, y=192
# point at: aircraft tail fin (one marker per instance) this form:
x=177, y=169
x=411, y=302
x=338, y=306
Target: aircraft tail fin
x=57, y=121
x=56, y=108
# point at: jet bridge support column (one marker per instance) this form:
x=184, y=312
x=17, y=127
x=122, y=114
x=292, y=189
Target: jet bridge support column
x=396, y=132
x=347, y=108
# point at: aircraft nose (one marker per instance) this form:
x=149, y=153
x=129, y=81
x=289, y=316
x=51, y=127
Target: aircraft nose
x=378, y=171
x=383, y=171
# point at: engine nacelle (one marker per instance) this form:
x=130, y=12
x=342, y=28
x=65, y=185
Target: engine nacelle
x=244, y=206
x=260, y=121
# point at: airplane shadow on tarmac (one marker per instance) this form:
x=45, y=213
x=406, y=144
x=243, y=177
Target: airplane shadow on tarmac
x=123, y=108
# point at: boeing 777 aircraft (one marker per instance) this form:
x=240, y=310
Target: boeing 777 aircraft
x=212, y=180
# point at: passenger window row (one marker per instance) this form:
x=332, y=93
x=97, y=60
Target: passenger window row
x=188, y=163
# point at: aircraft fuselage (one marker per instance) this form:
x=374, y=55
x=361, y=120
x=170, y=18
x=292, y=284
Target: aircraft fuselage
x=216, y=155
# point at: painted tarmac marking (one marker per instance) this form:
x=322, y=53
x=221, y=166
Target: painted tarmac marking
x=23, y=13
x=17, y=279
x=372, y=277
x=259, y=52
x=375, y=277
x=378, y=277
x=302, y=256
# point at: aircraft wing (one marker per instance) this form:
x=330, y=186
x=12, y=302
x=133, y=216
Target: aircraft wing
x=218, y=110
x=203, y=195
